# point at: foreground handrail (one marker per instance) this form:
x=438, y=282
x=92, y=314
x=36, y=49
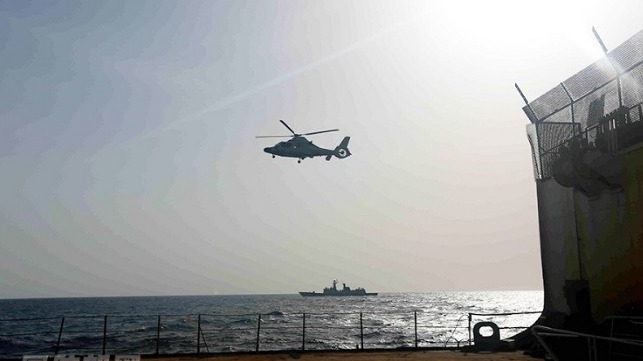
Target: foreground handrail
x=636, y=320
x=539, y=331
x=202, y=331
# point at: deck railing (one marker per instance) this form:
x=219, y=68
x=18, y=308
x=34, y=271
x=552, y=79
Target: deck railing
x=591, y=347
x=612, y=134
x=220, y=333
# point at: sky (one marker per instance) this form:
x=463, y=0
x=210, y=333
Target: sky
x=129, y=164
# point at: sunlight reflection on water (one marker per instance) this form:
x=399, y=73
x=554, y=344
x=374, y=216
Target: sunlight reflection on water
x=229, y=323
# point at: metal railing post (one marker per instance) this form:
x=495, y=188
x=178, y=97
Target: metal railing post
x=198, y=335
x=104, y=333
x=595, y=350
x=361, y=330
x=469, y=328
x=470, y=318
x=303, y=333
x=158, y=333
x=258, y=331
x=58, y=347
x=60, y=334
x=611, y=335
x=415, y=316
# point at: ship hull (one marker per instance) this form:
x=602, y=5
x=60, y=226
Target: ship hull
x=587, y=149
x=592, y=246
x=315, y=294
x=334, y=292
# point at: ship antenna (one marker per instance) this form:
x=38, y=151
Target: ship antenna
x=599, y=40
x=522, y=95
x=530, y=112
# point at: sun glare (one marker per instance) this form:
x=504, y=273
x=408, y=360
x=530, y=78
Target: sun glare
x=493, y=25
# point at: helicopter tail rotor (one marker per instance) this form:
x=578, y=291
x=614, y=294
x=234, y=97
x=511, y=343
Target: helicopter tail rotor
x=341, y=151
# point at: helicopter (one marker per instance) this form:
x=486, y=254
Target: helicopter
x=300, y=147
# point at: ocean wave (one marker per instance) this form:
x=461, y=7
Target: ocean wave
x=274, y=313
x=386, y=321
x=244, y=321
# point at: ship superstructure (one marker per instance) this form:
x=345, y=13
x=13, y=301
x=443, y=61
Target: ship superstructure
x=586, y=136
x=333, y=291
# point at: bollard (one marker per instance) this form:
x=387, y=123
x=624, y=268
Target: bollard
x=486, y=343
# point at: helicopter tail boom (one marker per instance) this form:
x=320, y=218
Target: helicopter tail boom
x=341, y=151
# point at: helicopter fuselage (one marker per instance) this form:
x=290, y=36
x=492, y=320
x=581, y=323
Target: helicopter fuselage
x=298, y=147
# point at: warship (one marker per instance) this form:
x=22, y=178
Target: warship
x=586, y=137
x=333, y=291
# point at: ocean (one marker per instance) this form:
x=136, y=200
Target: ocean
x=209, y=324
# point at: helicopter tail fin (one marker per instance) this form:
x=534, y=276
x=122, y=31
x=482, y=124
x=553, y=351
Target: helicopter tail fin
x=342, y=150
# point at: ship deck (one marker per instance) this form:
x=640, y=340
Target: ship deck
x=393, y=355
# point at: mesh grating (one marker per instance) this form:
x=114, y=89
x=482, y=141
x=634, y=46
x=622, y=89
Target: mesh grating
x=532, y=135
x=596, y=80
x=550, y=102
x=599, y=105
x=632, y=86
x=590, y=109
x=590, y=78
x=628, y=54
x=545, y=140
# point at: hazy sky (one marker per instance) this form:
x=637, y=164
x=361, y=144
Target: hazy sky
x=129, y=163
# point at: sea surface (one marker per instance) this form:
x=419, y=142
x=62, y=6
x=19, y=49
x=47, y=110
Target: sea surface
x=208, y=324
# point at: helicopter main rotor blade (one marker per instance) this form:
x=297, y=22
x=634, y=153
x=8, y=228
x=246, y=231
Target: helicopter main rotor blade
x=321, y=131
x=273, y=136
x=286, y=125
